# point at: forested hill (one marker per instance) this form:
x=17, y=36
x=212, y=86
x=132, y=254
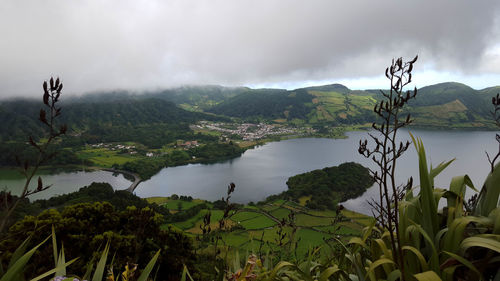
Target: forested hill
x=198, y=98
x=325, y=188
x=20, y=117
x=194, y=98
x=452, y=104
x=444, y=105
x=266, y=103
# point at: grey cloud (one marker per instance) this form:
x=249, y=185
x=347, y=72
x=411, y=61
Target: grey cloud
x=137, y=45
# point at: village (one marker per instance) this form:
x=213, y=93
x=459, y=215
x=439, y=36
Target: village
x=226, y=131
x=247, y=131
x=130, y=149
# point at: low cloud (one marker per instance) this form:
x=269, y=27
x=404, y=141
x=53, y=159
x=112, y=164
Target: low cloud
x=110, y=44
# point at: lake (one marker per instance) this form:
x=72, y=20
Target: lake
x=63, y=182
x=263, y=171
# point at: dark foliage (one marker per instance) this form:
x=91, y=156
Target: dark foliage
x=102, y=119
x=496, y=116
x=145, y=168
x=203, y=97
x=216, y=151
x=266, y=103
x=186, y=214
x=328, y=186
x=211, y=152
x=9, y=151
x=96, y=192
x=135, y=235
x=99, y=192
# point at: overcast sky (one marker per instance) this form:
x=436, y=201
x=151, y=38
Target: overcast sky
x=120, y=44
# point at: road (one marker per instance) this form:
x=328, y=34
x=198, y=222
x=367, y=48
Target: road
x=136, y=177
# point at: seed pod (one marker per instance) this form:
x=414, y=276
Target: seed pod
x=40, y=184
x=63, y=129
x=43, y=117
x=46, y=98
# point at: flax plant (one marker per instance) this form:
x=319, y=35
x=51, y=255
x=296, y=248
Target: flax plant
x=50, y=98
x=388, y=150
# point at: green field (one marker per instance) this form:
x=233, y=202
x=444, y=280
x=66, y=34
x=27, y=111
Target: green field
x=308, y=220
x=244, y=216
x=329, y=106
x=173, y=205
x=104, y=157
x=280, y=213
x=191, y=225
x=258, y=222
x=258, y=226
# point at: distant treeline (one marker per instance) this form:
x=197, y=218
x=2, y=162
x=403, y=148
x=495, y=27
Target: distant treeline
x=269, y=104
x=95, y=192
x=102, y=120
x=211, y=152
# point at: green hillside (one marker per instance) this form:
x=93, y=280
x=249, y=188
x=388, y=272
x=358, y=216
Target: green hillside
x=256, y=227
x=444, y=105
x=198, y=98
x=266, y=103
x=19, y=117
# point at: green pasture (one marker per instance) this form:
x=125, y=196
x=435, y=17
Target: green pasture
x=104, y=157
x=193, y=222
x=280, y=213
x=256, y=228
x=259, y=222
x=244, y=216
x=308, y=220
x=172, y=204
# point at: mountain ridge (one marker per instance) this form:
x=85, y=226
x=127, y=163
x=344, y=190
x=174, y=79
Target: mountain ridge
x=326, y=105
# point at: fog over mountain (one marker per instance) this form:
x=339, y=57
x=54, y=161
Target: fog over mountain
x=137, y=45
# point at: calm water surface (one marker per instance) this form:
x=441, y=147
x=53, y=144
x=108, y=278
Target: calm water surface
x=65, y=182
x=263, y=171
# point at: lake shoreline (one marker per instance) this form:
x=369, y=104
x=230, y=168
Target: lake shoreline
x=14, y=172
x=263, y=170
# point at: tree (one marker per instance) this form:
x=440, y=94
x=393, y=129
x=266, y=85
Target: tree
x=135, y=234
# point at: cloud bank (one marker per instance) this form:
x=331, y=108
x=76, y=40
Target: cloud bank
x=125, y=44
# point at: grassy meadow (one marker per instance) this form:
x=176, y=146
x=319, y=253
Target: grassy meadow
x=255, y=228
x=105, y=157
